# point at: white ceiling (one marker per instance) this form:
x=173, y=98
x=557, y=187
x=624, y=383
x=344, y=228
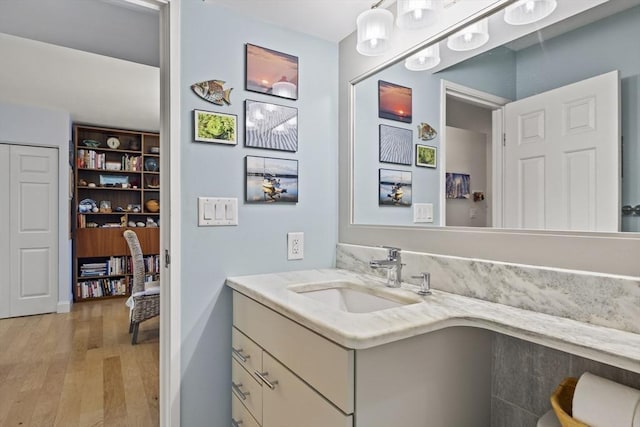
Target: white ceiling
x=331, y=20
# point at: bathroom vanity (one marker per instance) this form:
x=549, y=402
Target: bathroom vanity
x=337, y=348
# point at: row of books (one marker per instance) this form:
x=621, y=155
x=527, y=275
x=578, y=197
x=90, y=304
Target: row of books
x=90, y=159
x=152, y=264
x=111, y=267
x=119, y=265
x=101, y=288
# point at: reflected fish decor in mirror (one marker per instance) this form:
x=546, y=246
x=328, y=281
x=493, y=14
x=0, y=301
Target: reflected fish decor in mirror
x=536, y=114
x=426, y=132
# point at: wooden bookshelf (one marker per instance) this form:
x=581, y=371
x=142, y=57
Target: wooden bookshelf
x=115, y=184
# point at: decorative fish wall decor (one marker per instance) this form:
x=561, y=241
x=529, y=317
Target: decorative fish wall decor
x=212, y=91
x=426, y=132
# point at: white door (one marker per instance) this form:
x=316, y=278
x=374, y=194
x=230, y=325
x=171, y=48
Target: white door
x=561, y=158
x=33, y=224
x=5, y=262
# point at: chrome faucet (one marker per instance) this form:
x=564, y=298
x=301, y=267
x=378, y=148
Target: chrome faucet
x=393, y=265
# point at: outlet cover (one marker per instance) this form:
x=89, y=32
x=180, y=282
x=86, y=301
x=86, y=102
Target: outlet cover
x=295, y=245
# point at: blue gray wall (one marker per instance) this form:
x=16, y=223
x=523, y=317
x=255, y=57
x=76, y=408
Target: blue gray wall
x=213, y=47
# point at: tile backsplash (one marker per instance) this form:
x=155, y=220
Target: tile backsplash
x=599, y=299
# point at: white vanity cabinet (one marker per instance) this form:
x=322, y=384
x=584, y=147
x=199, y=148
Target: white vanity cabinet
x=302, y=378
x=436, y=379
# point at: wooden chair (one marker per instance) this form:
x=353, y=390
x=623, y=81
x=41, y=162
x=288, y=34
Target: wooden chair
x=144, y=301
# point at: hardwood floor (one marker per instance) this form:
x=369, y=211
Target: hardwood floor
x=79, y=369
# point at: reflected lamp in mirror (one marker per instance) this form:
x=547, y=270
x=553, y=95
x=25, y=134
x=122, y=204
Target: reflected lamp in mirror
x=424, y=60
x=470, y=37
x=415, y=14
x=525, y=12
x=374, y=27
x=284, y=89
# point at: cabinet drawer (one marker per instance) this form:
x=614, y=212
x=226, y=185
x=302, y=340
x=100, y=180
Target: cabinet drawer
x=292, y=403
x=326, y=366
x=246, y=352
x=247, y=390
x=240, y=415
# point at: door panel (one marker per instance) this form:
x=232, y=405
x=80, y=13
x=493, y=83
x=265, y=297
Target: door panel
x=33, y=200
x=557, y=144
x=5, y=240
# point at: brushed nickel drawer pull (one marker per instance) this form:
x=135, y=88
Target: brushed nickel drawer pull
x=238, y=352
x=236, y=388
x=235, y=423
x=262, y=375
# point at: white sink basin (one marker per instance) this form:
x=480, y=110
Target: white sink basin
x=353, y=297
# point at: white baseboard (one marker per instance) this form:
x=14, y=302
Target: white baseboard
x=64, y=306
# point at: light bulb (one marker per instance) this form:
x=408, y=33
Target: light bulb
x=373, y=43
x=417, y=14
x=530, y=5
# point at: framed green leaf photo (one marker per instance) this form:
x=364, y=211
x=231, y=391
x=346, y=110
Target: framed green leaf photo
x=426, y=156
x=220, y=128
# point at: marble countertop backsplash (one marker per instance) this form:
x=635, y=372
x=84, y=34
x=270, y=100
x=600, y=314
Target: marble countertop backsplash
x=598, y=299
x=430, y=313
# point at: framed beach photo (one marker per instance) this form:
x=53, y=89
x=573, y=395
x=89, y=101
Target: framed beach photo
x=271, y=72
x=394, y=102
x=209, y=126
x=271, y=180
x=270, y=126
x=396, y=145
x=426, y=156
x=394, y=188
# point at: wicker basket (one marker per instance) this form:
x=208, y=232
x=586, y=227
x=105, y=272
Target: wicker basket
x=561, y=401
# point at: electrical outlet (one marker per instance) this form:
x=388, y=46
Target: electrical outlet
x=295, y=245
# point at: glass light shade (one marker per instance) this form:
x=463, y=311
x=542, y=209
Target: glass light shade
x=525, y=12
x=470, y=37
x=415, y=14
x=374, y=31
x=424, y=60
x=284, y=89
x=256, y=114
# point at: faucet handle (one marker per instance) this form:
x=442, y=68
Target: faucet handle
x=425, y=286
x=393, y=251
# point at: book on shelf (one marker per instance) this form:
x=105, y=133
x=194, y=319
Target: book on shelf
x=101, y=288
x=114, y=266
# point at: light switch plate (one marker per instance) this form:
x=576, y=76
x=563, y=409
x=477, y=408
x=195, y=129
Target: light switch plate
x=217, y=211
x=295, y=245
x=422, y=212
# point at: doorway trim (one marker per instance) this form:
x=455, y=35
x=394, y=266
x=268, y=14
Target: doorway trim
x=169, y=348
x=496, y=105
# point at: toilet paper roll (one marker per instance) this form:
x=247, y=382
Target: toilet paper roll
x=599, y=402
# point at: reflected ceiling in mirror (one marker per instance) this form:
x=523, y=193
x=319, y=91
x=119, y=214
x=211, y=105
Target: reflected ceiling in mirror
x=560, y=188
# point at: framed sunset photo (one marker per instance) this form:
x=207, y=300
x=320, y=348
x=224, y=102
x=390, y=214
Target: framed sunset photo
x=271, y=72
x=394, y=102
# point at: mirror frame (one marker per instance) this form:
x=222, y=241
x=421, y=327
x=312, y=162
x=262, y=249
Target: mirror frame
x=610, y=253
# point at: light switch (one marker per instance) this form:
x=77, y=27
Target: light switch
x=215, y=211
x=423, y=212
x=208, y=210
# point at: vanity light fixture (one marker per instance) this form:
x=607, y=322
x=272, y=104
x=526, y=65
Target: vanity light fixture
x=470, y=37
x=374, y=28
x=415, y=14
x=424, y=60
x=525, y=12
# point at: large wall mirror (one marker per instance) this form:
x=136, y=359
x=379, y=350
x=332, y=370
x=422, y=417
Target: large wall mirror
x=429, y=147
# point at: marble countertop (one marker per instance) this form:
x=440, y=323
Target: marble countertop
x=430, y=313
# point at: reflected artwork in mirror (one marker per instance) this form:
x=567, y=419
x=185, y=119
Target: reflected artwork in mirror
x=537, y=116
